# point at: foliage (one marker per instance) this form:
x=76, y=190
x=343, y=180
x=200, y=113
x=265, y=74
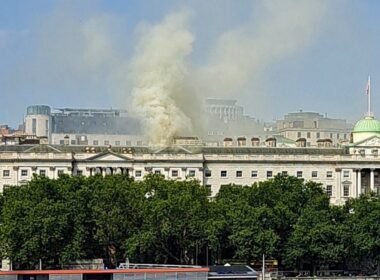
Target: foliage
x=114, y=217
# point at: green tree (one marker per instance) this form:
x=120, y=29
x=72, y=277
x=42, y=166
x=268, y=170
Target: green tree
x=175, y=215
x=363, y=222
x=318, y=238
x=117, y=209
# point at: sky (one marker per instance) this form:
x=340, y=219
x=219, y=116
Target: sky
x=273, y=56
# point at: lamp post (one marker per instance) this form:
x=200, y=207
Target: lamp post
x=263, y=267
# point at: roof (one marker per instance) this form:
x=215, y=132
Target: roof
x=43, y=148
x=231, y=271
x=368, y=124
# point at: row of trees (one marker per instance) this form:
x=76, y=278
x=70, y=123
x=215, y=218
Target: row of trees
x=164, y=221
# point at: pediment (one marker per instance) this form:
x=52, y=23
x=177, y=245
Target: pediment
x=109, y=156
x=173, y=150
x=373, y=141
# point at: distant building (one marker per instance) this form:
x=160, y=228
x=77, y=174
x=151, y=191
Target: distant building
x=83, y=126
x=313, y=127
x=227, y=119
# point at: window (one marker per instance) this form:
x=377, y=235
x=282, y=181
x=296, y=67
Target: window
x=345, y=136
x=331, y=136
x=79, y=172
x=6, y=173
x=299, y=134
x=346, y=174
x=346, y=190
x=239, y=173
x=95, y=142
x=318, y=135
x=308, y=135
x=329, y=174
x=117, y=143
x=157, y=171
x=60, y=172
x=73, y=142
x=329, y=190
x=34, y=126
x=43, y=172
x=314, y=174
x=285, y=173
x=223, y=173
x=24, y=172
x=254, y=174
x=269, y=174
x=139, y=143
x=337, y=136
x=138, y=173
x=174, y=173
x=191, y=173
x=128, y=143
x=61, y=142
x=106, y=142
x=207, y=173
x=208, y=187
x=299, y=174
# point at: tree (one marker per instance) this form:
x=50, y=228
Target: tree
x=317, y=238
x=175, y=215
x=117, y=209
x=363, y=222
x=35, y=223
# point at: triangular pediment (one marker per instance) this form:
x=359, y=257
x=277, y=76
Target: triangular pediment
x=42, y=148
x=109, y=156
x=373, y=141
x=173, y=150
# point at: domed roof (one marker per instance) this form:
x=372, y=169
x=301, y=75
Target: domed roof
x=368, y=124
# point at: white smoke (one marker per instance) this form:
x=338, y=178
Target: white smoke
x=239, y=59
x=277, y=29
x=159, y=71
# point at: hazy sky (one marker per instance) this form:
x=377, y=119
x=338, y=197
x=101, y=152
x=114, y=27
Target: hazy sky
x=273, y=58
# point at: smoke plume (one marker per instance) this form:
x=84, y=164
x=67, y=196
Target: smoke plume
x=237, y=60
x=159, y=71
x=241, y=56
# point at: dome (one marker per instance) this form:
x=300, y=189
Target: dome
x=368, y=124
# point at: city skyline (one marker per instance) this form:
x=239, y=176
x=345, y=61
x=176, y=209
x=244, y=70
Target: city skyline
x=323, y=68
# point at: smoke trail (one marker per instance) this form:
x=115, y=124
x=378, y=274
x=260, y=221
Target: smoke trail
x=159, y=71
x=242, y=55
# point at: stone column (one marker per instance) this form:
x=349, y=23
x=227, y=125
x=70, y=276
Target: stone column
x=359, y=178
x=338, y=185
x=372, y=180
x=354, y=192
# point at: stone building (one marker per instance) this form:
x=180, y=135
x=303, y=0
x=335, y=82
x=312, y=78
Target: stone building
x=344, y=172
x=313, y=127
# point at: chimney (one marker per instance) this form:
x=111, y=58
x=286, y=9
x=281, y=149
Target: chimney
x=255, y=141
x=324, y=143
x=242, y=141
x=301, y=142
x=66, y=140
x=227, y=142
x=271, y=142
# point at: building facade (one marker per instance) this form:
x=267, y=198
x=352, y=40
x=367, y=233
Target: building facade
x=313, y=127
x=83, y=126
x=344, y=172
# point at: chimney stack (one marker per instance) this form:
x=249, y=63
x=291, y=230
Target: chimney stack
x=255, y=141
x=301, y=142
x=242, y=141
x=271, y=142
x=227, y=142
